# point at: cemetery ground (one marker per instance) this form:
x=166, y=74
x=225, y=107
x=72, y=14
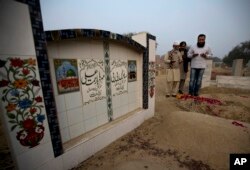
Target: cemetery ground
x=183, y=134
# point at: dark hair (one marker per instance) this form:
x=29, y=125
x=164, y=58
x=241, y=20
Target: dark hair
x=182, y=43
x=201, y=35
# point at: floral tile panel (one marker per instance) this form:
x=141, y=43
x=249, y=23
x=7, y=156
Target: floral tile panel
x=22, y=100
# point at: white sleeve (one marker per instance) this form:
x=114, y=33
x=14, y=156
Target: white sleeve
x=209, y=53
x=166, y=58
x=190, y=52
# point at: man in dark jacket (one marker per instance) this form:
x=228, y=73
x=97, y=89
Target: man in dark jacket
x=184, y=66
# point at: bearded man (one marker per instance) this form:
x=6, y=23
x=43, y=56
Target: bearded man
x=198, y=53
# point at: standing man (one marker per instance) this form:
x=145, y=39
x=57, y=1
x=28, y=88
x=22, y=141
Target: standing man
x=173, y=59
x=184, y=65
x=198, y=53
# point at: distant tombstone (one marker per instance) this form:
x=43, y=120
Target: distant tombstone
x=248, y=64
x=207, y=74
x=237, y=67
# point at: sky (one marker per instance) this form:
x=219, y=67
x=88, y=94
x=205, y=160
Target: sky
x=226, y=23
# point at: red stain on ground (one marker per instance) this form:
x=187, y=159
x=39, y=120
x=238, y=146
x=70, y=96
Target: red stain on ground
x=238, y=124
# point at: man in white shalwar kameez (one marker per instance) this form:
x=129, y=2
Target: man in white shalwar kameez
x=173, y=59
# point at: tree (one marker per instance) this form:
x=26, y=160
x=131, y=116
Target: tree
x=130, y=34
x=216, y=59
x=241, y=51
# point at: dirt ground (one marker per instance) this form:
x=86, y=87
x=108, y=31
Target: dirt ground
x=178, y=137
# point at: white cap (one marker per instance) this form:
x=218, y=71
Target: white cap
x=176, y=43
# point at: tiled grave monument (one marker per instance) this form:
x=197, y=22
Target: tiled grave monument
x=67, y=94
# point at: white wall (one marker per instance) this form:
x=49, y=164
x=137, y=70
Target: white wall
x=132, y=100
x=233, y=82
x=76, y=119
x=17, y=42
x=141, y=38
x=15, y=29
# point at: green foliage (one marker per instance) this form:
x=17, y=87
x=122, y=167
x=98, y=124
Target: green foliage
x=216, y=59
x=129, y=34
x=241, y=51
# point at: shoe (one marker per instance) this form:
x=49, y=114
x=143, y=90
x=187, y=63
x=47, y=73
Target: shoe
x=196, y=94
x=167, y=95
x=174, y=95
x=180, y=92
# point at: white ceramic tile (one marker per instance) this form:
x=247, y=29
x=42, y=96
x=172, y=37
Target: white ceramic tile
x=131, y=107
x=60, y=103
x=111, y=134
x=83, y=50
x=102, y=140
x=15, y=31
x=35, y=157
x=139, y=102
x=65, y=49
x=116, y=112
x=90, y=124
x=132, y=97
x=75, y=116
x=17, y=147
x=76, y=130
x=116, y=52
x=73, y=100
x=120, y=131
x=65, y=134
x=115, y=116
x=112, y=50
x=124, y=109
x=89, y=111
x=102, y=119
x=54, y=163
x=116, y=101
x=62, y=119
x=131, y=86
x=88, y=149
x=46, y=137
x=72, y=157
x=96, y=49
x=52, y=50
x=101, y=107
x=124, y=99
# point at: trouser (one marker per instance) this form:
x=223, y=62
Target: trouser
x=172, y=87
x=196, y=75
x=181, y=85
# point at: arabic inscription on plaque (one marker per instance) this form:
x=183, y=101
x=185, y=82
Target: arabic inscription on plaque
x=119, y=77
x=92, y=77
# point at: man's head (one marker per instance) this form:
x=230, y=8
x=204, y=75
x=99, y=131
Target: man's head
x=183, y=45
x=201, y=40
x=176, y=45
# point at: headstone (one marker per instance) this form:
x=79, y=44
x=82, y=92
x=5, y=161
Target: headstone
x=207, y=74
x=237, y=67
x=248, y=64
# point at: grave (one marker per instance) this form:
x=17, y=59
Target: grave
x=237, y=67
x=66, y=94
